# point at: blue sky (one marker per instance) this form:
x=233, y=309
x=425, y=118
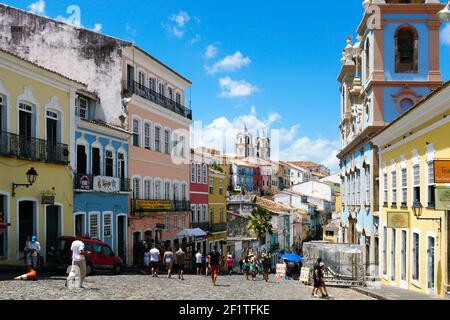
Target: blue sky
x=270, y=63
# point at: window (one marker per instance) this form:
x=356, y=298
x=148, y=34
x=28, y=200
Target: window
x=431, y=185
x=2, y=113
x=358, y=188
x=53, y=134
x=82, y=108
x=170, y=93
x=161, y=89
x=183, y=192
x=158, y=139
x=385, y=250
x=141, y=79
x=166, y=141
x=167, y=223
x=147, y=189
x=367, y=185
x=167, y=190
x=205, y=174
x=152, y=84
x=211, y=216
x=136, y=133
x=431, y=263
x=406, y=42
x=416, y=183
x=107, y=219
x=147, y=136
x=403, y=256
x=181, y=146
x=183, y=222
x=122, y=172
x=385, y=189
x=199, y=174
x=93, y=226
x=221, y=187
x=415, y=256
x=176, y=194
x=193, y=172
x=136, y=188
x=393, y=253
x=107, y=251
x=158, y=190
x=109, y=164
x=193, y=213
x=221, y=215
x=96, y=171
x=205, y=210
x=367, y=60
x=404, y=187
x=178, y=98
x=394, y=188
x=211, y=186
x=175, y=222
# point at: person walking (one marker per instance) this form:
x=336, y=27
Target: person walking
x=147, y=261
x=27, y=254
x=322, y=286
x=168, y=262
x=35, y=252
x=246, y=267
x=208, y=265
x=180, y=256
x=78, y=260
x=253, y=267
x=316, y=278
x=154, y=261
x=266, y=265
x=199, y=262
x=230, y=264
x=214, y=265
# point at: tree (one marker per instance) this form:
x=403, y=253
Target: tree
x=260, y=223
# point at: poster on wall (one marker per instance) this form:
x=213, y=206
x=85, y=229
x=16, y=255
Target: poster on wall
x=106, y=184
x=442, y=196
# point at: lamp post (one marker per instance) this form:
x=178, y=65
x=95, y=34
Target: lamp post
x=444, y=14
x=31, y=177
x=418, y=209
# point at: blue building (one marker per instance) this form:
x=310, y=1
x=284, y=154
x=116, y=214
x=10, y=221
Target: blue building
x=101, y=184
x=394, y=63
x=243, y=175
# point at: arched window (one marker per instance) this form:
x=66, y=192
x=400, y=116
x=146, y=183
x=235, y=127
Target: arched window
x=367, y=62
x=406, y=55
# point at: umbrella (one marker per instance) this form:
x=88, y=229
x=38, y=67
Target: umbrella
x=292, y=257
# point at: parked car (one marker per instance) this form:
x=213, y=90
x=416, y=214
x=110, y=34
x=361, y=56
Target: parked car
x=101, y=256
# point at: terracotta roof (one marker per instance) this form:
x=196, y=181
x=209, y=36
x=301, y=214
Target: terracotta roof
x=418, y=104
x=41, y=67
x=272, y=206
x=305, y=163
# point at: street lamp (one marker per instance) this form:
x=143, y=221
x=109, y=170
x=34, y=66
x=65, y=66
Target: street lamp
x=418, y=209
x=444, y=14
x=31, y=177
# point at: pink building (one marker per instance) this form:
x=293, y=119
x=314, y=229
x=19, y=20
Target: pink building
x=159, y=157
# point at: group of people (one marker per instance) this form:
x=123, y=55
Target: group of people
x=319, y=280
x=253, y=265
x=153, y=259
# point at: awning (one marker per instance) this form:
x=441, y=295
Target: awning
x=192, y=233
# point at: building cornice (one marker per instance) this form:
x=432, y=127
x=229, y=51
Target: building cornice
x=363, y=137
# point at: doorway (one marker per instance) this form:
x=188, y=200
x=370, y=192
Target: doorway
x=26, y=130
x=121, y=238
x=81, y=160
x=136, y=248
x=403, y=256
x=431, y=261
x=27, y=222
x=3, y=236
x=393, y=253
x=80, y=225
x=52, y=226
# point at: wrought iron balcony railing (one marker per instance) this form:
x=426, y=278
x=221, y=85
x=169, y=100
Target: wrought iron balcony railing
x=218, y=227
x=202, y=225
x=86, y=182
x=28, y=148
x=158, y=205
x=149, y=94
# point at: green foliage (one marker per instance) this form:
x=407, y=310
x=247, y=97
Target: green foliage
x=260, y=223
x=216, y=167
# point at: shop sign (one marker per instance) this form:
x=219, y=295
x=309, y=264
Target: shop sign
x=442, y=171
x=153, y=205
x=442, y=198
x=84, y=182
x=48, y=200
x=106, y=184
x=398, y=220
x=281, y=271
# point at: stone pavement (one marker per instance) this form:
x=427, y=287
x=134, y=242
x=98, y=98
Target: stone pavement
x=383, y=292
x=144, y=287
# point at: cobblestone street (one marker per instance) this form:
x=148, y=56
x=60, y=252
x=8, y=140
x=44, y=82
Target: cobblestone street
x=141, y=287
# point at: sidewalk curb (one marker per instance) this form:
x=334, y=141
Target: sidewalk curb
x=370, y=294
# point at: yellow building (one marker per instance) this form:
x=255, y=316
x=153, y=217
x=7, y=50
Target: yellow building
x=217, y=205
x=37, y=109
x=414, y=241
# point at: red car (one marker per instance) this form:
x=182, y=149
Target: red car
x=101, y=256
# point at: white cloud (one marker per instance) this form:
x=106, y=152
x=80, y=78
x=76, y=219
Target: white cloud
x=229, y=63
x=74, y=18
x=130, y=30
x=221, y=135
x=178, y=24
x=37, y=7
x=235, y=89
x=97, y=27
x=180, y=19
x=445, y=35
x=211, y=51
x=195, y=39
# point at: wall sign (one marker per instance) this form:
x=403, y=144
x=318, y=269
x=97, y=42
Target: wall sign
x=153, y=205
x=106, y=184
x=48, y=199
x=442, y=171
x=442, y=198
x=398, y=220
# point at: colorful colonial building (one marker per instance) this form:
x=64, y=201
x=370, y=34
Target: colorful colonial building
x=394, y=64
x=217, y=205
x=37, y=121
x=414, y=196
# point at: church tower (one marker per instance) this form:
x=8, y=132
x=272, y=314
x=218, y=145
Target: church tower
x=263, y=147
x=244, y=144
x=392, y=65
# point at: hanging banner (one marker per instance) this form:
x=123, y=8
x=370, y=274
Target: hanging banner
x=442, y=196
x=153, y=205
x=106, y=184
x=442, y=171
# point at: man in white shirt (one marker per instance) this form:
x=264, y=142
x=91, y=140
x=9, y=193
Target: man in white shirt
x=199, y=261
x=78, y=260
x=154, y=260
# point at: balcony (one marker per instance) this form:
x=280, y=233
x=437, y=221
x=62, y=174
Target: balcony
x=89, y=182
x=134, y=87
x=27, y=148
x=202, y=225
x=155, y=205
x=218, y=227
